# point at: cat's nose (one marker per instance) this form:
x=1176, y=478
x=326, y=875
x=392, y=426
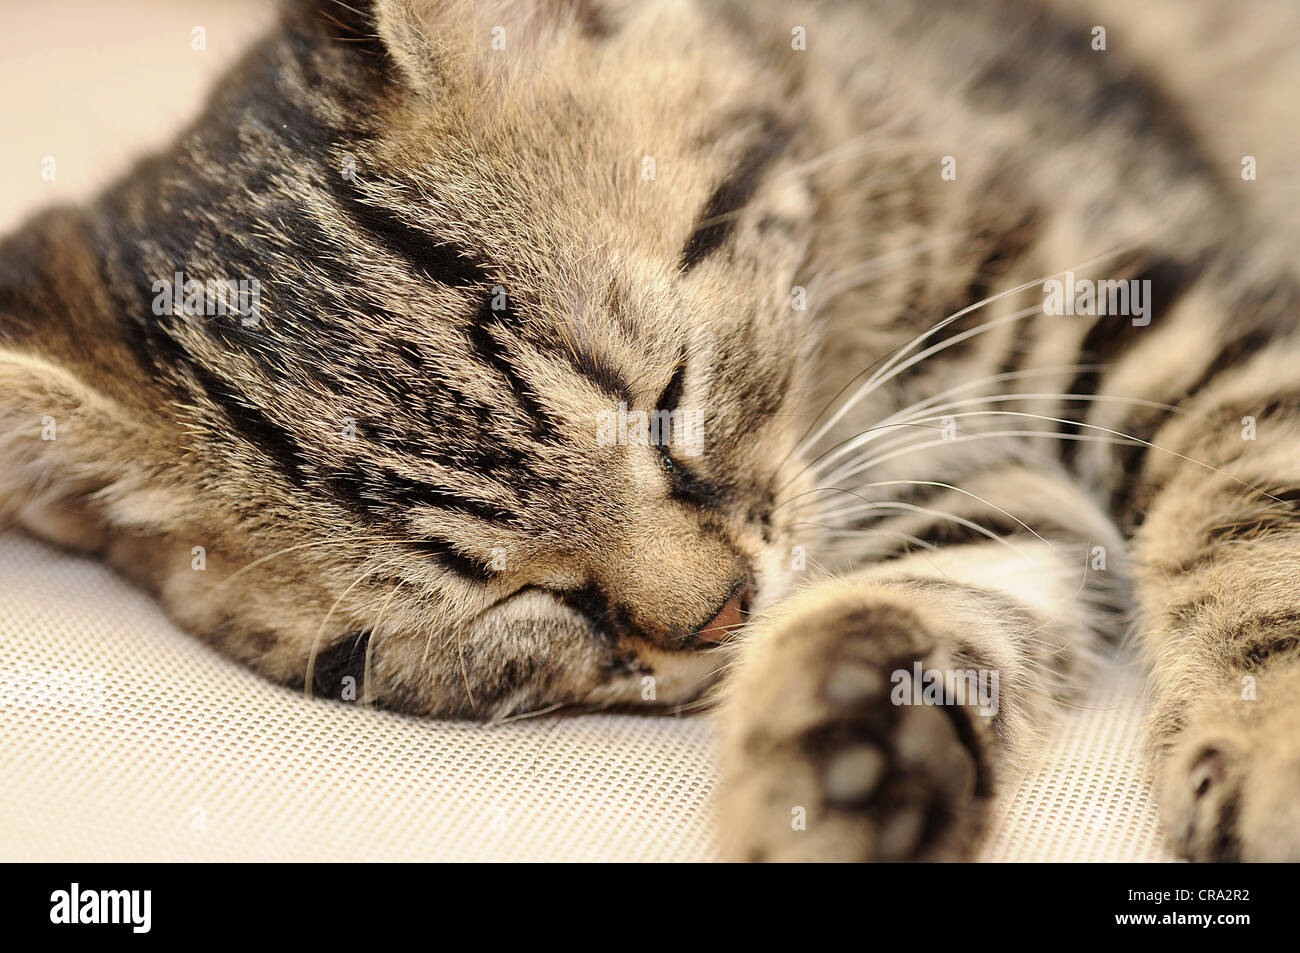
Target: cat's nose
x=729, y=619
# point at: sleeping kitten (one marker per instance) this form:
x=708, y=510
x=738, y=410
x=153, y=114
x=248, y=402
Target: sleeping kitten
x=872, y=367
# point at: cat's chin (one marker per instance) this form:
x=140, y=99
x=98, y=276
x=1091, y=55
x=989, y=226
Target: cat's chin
x=671, y=679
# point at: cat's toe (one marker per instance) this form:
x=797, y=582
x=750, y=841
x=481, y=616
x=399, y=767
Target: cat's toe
x=841, y=772
x=911, y=791
x=877, y=784
x=1228, y=785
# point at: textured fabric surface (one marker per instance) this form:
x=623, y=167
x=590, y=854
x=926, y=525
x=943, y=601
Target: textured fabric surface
x=1089, y=796
x=125, y=739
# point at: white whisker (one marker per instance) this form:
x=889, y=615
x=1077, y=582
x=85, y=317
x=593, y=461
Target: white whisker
x=941, y=411
x=870, y=384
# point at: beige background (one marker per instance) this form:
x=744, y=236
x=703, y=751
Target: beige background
x=166, y=751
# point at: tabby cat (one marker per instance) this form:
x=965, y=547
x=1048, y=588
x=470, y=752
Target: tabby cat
x=869, y=369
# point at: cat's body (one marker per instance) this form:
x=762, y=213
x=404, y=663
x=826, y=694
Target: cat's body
x=397, y=468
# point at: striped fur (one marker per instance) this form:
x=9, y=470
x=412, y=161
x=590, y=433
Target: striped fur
x=394, y=477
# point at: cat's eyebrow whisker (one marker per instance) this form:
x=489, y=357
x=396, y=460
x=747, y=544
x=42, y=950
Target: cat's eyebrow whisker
x=857, y=465
x=1056, y=395
x=874, y=505
x=948, y=486
x=884, y=507
x=888, y=373
x=1117, y=437
x=946, y=411
x=939, y=411
x=889, y=365
x=922, y=404
x=991, y=379
x=868, y=463
x=868, y=386
x=909, y=444
x=893, y=534
x=806, y=493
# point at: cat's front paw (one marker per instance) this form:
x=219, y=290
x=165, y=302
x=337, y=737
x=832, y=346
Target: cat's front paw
x=823, y=762
x=1229, y=783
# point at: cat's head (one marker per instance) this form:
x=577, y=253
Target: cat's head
x=503, y=412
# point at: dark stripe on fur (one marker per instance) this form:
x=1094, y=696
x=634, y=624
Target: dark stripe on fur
x=1002, y=250
x=439, y=261
x=1112, y=335
x=1268, y=515
x=170, y=361
x=1285, y=648
x=601, y=373
x=1256, y=519
x=672, y=395
x=718, y=220
x=253, y=424
x=490, y=350
x=1226, y=848
x=594, y=605
x=689, y=487
x=1260, y=324
x=376, y=490
x=451, y=558
x=1094, y=91
x=344, y=659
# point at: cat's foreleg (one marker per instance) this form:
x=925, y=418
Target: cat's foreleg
x=871, y=716
x=1217, y=578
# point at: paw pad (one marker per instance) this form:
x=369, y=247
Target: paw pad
x=853, y=775
x=853, y=682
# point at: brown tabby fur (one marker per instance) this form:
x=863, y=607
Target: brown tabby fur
x=468, y=254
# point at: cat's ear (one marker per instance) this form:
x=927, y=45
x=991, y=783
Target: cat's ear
x=431, y=42
x=387, y=35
